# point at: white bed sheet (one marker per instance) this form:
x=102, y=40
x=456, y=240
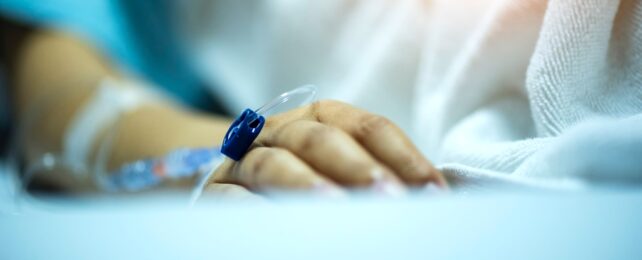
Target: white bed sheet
x=594, y=225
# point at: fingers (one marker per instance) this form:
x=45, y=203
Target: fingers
x=348, y=146
x=335, y=154
x=384, y=140
x=265, y=169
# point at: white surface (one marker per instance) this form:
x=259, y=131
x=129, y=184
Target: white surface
x=509, y=226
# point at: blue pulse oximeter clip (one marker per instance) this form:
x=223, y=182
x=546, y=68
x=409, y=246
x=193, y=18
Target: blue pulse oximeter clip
x=241, y=134
x=247, y=127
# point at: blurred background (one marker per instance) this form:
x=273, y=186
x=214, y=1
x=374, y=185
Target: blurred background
x=112, y=113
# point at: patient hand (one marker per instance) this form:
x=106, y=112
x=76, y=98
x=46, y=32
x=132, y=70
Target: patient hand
x=325, y=146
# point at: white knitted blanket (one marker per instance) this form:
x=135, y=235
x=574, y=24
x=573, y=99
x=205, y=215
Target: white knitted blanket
x=533, y=92
x=541, y=92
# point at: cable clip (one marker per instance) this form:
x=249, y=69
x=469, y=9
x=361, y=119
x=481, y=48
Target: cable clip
x=247, y=127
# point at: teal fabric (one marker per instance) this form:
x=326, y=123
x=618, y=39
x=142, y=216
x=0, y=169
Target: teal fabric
x=137, y=34
x=4, y=115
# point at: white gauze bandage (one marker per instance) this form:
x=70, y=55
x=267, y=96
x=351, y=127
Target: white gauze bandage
x=110, y=101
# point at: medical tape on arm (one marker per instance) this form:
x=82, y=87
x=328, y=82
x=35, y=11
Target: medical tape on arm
x=109, y=102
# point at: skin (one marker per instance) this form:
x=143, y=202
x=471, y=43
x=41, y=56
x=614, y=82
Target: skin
x=324, y=148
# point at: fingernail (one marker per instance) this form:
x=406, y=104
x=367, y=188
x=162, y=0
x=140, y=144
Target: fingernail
x=386, y=186
x=432, y=188
x=390, y=188
x=328, y=190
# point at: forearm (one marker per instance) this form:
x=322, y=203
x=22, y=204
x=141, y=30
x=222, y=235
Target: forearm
x=155, y=129
x=57, y=75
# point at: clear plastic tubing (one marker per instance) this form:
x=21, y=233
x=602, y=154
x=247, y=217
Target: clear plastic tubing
x=289, y=100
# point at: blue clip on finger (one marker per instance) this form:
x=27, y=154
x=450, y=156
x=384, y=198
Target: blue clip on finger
x=242, y=134
x=248, y=125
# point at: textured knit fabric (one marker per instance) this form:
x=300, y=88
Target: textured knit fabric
x=519, y=92
x=583, y=86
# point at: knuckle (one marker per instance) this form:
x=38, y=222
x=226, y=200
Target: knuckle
x=258, y=160
x=319, y=109
x=260, y=164
x=283, y=133
x=414, y=170
x=372, y=124
x=314, y=136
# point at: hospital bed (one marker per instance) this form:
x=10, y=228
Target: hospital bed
x=597, y=225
